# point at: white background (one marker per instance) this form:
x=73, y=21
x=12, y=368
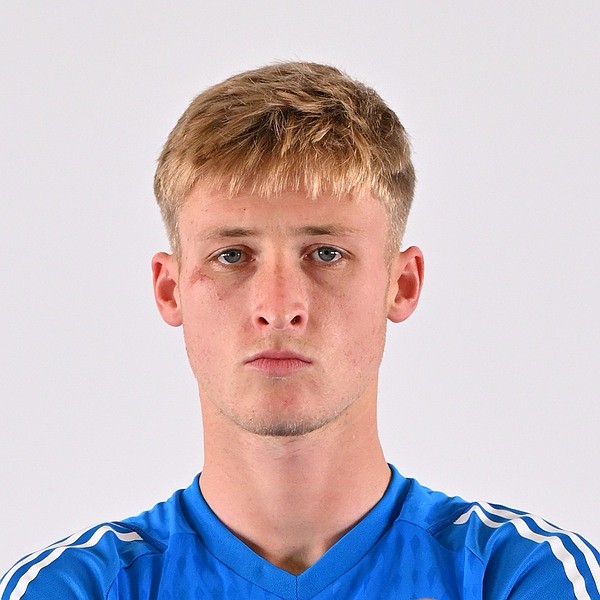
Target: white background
x=489, y=391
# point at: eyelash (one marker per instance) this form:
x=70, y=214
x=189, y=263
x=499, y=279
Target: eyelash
x=228, y=251
x=340, y=255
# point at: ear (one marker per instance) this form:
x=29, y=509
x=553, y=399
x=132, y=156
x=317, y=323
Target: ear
x=406, y=281
x=165, y=277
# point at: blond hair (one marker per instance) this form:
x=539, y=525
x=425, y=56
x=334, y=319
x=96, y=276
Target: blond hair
x=283, y=127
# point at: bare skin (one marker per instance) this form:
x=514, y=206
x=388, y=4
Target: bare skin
x=290, y=499
x=292, y=455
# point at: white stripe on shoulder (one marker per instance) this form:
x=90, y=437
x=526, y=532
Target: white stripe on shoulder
x=556, y=544
x=545, y=526
x=56, y=551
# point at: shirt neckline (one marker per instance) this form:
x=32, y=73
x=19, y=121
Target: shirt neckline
x=341, y=557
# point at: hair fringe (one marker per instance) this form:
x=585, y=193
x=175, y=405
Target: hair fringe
x=287, y=127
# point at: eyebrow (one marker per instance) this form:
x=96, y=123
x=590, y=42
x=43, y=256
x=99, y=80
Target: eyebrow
x=228, y=232
x=325, y=230
x=237, y=232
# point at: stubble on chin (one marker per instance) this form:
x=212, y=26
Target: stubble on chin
x=285, y=429
x=277, y=424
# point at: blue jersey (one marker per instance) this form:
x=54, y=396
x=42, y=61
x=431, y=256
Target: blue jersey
x=414, y=544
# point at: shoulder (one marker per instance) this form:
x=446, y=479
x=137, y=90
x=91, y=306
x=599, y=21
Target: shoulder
x=523, y=553
x=87, y=563
x=507, y=553
x=82, y=565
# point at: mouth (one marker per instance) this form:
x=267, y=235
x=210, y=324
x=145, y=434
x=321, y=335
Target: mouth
x=277, y=363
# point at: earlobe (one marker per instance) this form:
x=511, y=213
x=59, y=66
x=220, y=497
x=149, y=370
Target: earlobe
x=165, y=276
x=406, y=281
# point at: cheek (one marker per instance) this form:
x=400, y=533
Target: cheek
x=357, y=323
x=202, y=287
x=208, y=293
x=210, y=316
x=365, y=327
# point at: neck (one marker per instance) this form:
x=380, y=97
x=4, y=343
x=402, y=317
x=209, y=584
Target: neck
x=291, y=498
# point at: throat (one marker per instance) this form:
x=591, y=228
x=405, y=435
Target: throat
x=292, y=529
x=290, y=500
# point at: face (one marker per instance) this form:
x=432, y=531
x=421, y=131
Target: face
x=284, y=303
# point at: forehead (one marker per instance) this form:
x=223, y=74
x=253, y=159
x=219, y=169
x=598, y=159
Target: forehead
x=294, y=211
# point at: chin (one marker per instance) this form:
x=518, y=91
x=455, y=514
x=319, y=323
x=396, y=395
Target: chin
x=286, y=428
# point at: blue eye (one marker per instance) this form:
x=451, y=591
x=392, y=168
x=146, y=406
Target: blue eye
x=230, y=256
x=326, y=254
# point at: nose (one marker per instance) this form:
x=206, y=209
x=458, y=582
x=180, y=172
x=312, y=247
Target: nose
x=280, y=299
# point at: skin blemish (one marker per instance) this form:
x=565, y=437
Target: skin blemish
x=198, y=276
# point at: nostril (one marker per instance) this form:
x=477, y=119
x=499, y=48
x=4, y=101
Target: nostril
x=278, y=321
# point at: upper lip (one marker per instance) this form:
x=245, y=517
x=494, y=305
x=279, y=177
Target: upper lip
x=278, y=355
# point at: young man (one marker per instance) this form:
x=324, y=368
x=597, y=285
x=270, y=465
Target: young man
x=285, y=193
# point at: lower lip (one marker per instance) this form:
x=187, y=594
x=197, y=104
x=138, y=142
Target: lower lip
x=277, y=366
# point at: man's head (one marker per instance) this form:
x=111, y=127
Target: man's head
x=288, y=127
x=282, y=189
